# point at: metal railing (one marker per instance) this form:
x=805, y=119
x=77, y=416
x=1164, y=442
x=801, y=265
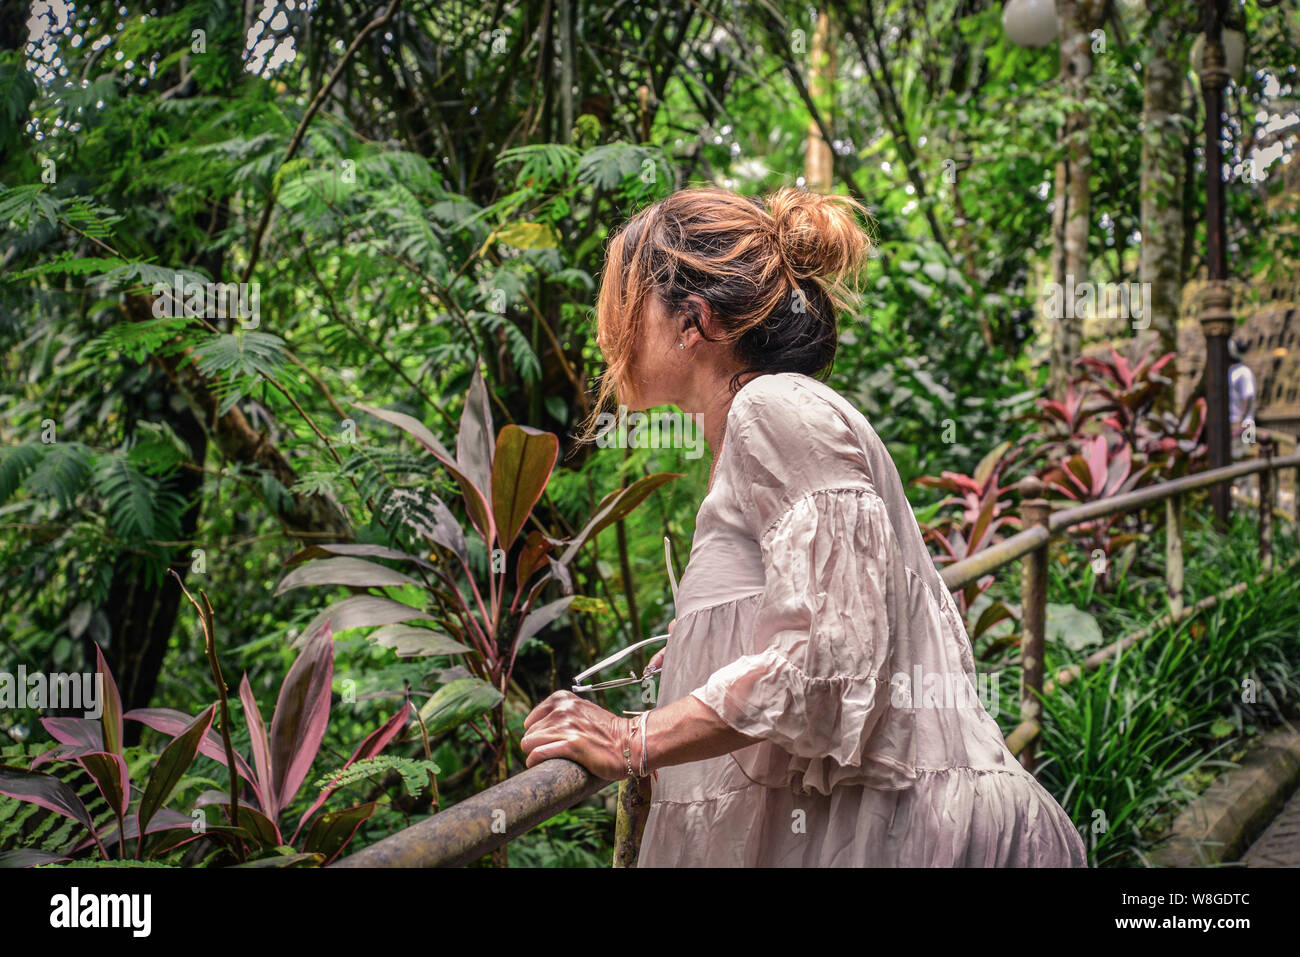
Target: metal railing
x=480, y=824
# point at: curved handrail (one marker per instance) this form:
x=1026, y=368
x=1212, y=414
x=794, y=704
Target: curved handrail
x=480, y=824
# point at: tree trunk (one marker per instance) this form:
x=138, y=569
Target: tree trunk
x=1070, y=217
x=501, y=771
x=1163, y=140
x=141, y=613
x=818, y=158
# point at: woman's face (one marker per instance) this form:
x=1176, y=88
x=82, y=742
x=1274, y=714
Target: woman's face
x=657, y=366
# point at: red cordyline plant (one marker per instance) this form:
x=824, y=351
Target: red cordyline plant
x=1099, y=472
x=258, y=795
x=1127, y=387
x=1172, y=442
x=1107, y=437
x=985, y=512
x=486, y=618
x=1117, y=395
x=1063, y=423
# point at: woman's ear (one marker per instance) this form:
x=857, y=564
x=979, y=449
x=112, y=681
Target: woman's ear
x=696, y=319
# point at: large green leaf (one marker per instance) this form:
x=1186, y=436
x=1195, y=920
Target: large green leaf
x=302, y=712
x=476, y=502
x=262, y=828
x=474, y=448
x=360, y=611
x=171, y=767
x=457, y=702
x=372, y=551
x=532, y=556
x=356, y=572
x=523, y=235
x=112, y=777
x=111, y=716
x=331, y=832
x=616, y=506
x=411, y=641
x=1072, y=627
x=537, y=619
x=44, y=790
x=521, y=468
x=259, y=744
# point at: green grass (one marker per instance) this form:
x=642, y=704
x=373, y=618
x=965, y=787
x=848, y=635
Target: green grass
x=1128, y=745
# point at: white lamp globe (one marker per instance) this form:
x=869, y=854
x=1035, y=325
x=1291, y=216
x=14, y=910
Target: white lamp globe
x=1029, y=23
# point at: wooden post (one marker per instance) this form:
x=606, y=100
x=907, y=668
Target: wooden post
x=1266, y=507
x=1174, y=553
x=629, y=822
x=1034, y=510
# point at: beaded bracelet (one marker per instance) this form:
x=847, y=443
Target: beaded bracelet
x=627, y=748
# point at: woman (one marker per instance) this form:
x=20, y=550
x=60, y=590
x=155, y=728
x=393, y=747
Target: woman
x=806, y=714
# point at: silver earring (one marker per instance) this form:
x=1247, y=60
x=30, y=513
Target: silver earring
x=681, y=345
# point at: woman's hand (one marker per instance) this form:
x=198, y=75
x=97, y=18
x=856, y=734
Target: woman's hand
x=656, y=664
x=566, y=726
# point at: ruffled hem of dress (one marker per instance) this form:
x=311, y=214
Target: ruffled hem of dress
x=951, y=817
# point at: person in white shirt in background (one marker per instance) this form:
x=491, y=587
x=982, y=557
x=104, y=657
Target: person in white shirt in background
x=1241, y=410
x=1241, y=396
x=1240, y=399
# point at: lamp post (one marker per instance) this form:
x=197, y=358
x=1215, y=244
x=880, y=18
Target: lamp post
x=1216, y=318
x=1216, y=303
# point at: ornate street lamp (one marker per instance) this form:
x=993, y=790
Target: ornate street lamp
x=1222, y=48
x=1216, y=318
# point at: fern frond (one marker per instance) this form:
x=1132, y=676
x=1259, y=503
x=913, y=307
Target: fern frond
x=521, y=350
x=62, y=472
x=541, y=164
x=241, y=353
x=15, y=462
x=128, y=494
x=607, y=166
x=139, y=340
x=415, y=773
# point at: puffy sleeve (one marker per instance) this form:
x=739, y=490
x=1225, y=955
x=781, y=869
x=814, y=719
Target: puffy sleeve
x=816, y=686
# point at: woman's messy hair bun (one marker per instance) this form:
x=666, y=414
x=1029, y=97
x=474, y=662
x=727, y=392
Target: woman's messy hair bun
x=776, y=276
x=818, y=234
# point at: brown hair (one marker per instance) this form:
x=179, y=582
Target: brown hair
x=772, y=274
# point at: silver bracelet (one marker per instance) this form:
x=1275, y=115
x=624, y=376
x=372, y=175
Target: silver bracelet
x=644, y=771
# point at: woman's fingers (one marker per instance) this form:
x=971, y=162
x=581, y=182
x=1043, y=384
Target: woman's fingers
x=551, y=703
x=566, y=726
x=544, y=752
x=541, y=738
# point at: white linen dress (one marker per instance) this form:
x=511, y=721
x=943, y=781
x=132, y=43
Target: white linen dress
x=812, y=616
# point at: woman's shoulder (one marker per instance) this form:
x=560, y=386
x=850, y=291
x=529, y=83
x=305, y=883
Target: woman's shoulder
x=791, y=437
x=795, y=409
